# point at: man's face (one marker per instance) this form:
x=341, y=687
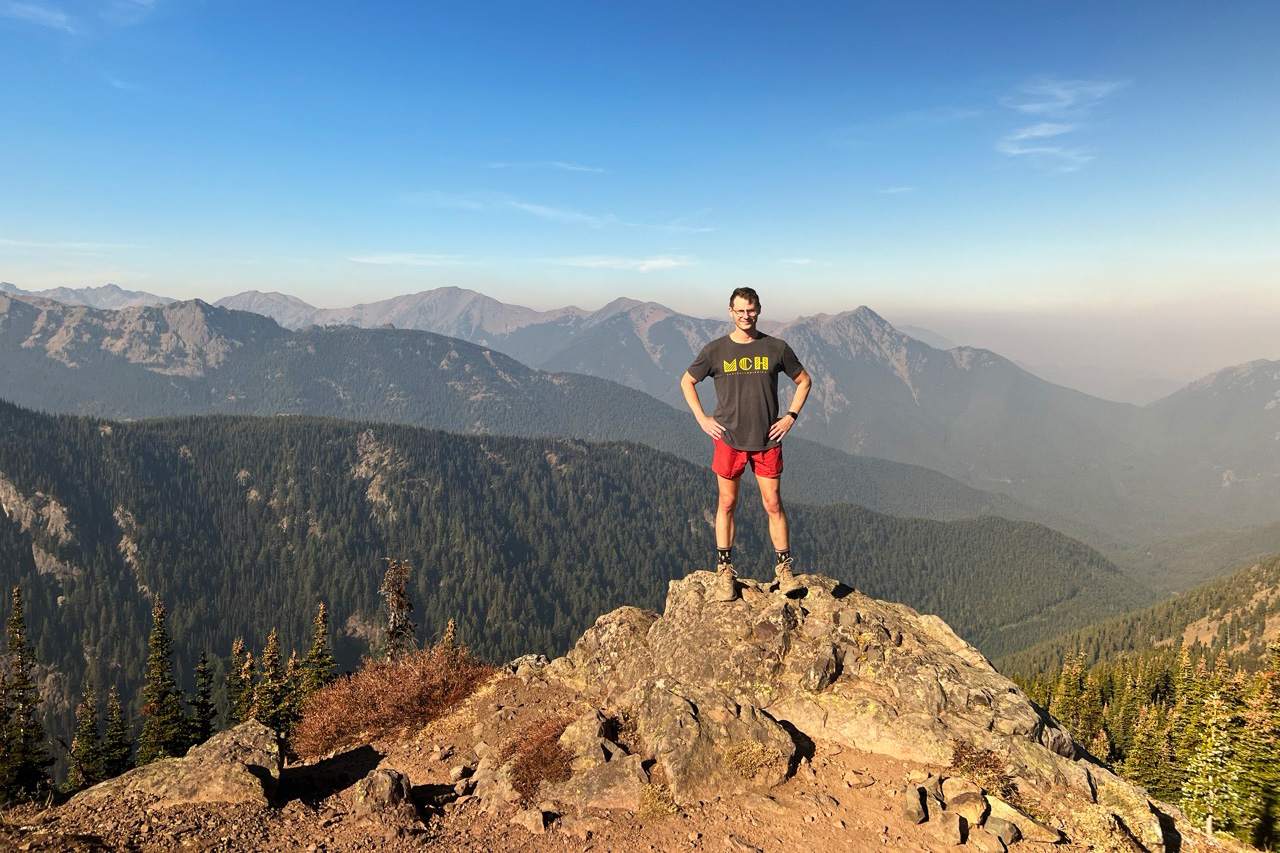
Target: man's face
x=744, y=313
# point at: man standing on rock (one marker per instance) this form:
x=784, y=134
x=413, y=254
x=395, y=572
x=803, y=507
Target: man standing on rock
x=746, y=428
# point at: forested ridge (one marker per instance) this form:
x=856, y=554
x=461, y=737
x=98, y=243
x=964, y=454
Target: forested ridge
x=1237, y=614
x=1182, y=697
x=246, y=524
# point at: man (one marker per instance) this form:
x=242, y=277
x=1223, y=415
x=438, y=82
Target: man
x=747, y=429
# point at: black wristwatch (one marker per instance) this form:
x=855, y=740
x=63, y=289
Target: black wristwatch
x=795, y=416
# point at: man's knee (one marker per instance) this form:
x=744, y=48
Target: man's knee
x=728, y=502
x=772, y=504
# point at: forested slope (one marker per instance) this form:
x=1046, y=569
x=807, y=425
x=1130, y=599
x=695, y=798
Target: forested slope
x=243, y=524
x=1238, y=615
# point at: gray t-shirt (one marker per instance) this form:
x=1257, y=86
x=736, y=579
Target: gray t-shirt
x=746, y=377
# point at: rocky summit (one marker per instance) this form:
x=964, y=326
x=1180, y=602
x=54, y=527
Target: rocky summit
x=824, y=719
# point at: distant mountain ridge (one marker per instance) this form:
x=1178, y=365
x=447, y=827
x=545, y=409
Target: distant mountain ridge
x=1138, y=472
x=193, y=358
x=107, y=296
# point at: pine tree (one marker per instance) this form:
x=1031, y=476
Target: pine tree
x=239, y=685
x=24, y=754
x=318, y=665
x=86, y=744
x=164, y=725
x=1211, y=792
x=400, y=628
x=203, y=711
x=271, y=695
x=117, y=742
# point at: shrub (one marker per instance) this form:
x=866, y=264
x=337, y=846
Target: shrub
x=388, y=697
x=536, y=756
x=986, y=768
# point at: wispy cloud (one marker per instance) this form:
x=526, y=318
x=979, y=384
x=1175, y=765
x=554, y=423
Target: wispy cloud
x=613, y=262
x=412, y=259
x=1048, y=96
x=490, y=201
x=557, y=214
x=561, y=165
x=896, y=190
x=40, y=15
x=77, y=247
x=128, y=12
x=1063, y=104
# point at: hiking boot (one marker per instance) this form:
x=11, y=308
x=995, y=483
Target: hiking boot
x=787, y=582
x=725, y=586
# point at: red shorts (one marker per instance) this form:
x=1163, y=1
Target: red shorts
x=730, y=463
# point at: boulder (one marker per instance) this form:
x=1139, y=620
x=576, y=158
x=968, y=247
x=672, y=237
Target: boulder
x=706, y=743
x=971, y=804
x=240, y=765
x=383, y=793
x=617, y=784
x=913, y=804
x=1028, y=827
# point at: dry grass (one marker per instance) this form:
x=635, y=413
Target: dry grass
x=388, y=697
x=986, y=768
x=537, y=756
x=656, y=802
x=750, y=760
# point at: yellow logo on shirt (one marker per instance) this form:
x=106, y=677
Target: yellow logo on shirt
x=760, y=362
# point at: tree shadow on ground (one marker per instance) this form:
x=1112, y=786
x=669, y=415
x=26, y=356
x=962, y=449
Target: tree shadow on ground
x=312, y=783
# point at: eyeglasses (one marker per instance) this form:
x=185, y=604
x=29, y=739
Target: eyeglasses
x=745, y=312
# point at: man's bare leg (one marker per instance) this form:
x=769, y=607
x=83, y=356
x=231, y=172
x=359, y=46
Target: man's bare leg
x=771, y=497
x=724, y=511
x=726, y=585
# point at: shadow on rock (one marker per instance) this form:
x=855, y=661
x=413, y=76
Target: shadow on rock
x=314, y=782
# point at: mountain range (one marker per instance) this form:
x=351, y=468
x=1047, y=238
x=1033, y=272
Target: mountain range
x=1201, y=462
x=192, y=358
x=1139, y=473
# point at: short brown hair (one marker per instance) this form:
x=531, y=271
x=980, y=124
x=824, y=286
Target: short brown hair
x=747, y=293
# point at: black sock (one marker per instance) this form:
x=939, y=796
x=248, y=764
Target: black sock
x=724, y=555
x=784, y=555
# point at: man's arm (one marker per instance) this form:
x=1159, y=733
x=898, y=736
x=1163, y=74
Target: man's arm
x=784, y=423
x=709, y=426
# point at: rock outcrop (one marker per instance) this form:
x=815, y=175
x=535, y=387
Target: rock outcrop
x=240, y=765
x=719, y=698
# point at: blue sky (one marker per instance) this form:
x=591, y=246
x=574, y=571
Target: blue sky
x=947, y=163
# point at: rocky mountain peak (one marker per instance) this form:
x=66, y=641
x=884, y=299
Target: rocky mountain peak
x=736, y=720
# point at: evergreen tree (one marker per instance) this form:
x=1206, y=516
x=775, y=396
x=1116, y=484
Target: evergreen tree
x=86, y=744
x=271, y=695
x=164, y=725
x=24, y=755
x=239, y=685
x=400, y=628
x=117, y=742
x=318, y=665
x=1211, y=792
x=203, y=711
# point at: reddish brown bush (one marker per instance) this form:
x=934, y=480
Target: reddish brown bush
x=538, y=757
x=388, y=697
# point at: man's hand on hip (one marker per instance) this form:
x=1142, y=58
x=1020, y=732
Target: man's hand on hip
x=780, y=427
x=711, y=428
